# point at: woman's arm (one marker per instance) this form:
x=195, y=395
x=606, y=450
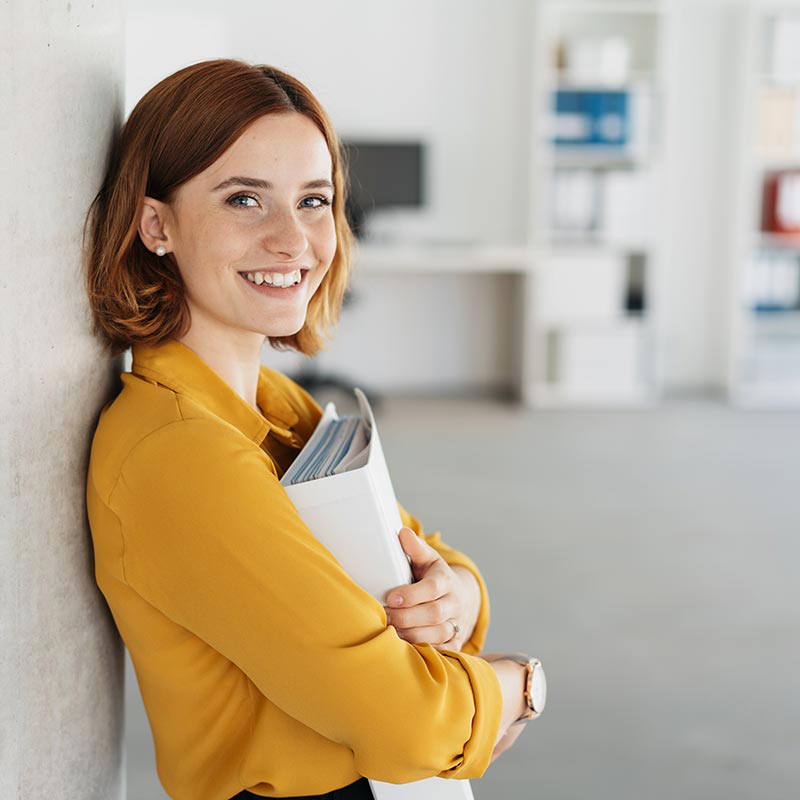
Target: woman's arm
x=209, y=538
x=512, y=677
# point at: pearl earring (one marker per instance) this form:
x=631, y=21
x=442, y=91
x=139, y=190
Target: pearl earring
x=161, y=250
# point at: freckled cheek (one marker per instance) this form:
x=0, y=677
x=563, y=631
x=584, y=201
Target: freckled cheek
x=326, y=243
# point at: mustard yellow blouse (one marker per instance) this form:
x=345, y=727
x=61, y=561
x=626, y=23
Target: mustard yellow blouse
x=260, y=663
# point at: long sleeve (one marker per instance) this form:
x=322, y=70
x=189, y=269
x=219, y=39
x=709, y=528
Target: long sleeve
x=210, y=539
x=454, y=557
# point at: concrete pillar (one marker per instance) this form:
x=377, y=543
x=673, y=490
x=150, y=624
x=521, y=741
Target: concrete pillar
x=61, y=668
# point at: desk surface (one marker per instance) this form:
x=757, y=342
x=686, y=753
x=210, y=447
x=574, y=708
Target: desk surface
x=449, y=258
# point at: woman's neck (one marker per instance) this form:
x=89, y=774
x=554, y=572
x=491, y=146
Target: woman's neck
x=237, y=362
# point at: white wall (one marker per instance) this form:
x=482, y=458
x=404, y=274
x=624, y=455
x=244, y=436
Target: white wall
x=452, y=72
x=693, y=290
x=61, y=668
x=457, y=74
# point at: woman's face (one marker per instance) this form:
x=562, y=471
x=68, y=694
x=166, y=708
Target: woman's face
x=262, y=209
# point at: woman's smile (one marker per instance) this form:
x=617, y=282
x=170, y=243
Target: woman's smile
x=263, y=210
x=278, y=283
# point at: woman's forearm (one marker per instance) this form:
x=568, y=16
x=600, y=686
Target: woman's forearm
x=512, y=677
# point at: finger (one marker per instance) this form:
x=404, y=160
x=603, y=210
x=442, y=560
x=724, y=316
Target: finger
x=422, y=615
x=435, y=583
x=423, y=558
x=416, y=548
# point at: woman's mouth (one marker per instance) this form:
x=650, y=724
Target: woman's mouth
x=274, y=279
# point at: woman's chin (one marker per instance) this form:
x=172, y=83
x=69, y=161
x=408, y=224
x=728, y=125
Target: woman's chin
x=284, y=329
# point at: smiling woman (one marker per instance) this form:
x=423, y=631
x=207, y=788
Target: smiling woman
x=178, y=136
x=262, y=666
x=262, y=209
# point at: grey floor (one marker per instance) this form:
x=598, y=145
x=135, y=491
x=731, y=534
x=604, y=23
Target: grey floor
x=649, y=558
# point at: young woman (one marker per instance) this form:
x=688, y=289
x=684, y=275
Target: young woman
x=264, y=670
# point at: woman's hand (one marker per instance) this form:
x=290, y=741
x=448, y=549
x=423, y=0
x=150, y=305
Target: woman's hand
x=441, y=607
x=508, y=739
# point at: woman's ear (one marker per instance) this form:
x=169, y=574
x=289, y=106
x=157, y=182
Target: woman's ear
x=153, y=226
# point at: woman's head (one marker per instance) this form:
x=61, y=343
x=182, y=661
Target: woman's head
x=210, y=124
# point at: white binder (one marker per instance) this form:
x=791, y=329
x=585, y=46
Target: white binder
x=354, y=514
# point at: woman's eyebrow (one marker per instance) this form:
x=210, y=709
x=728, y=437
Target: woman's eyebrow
x=257, y=183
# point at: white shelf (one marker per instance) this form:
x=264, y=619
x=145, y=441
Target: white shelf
x=585, y=350
x=595, y=157
x=765, y=345
x=775, y=323
x=615, y=8
x=544, y=395
x=776, y=241
x=778, y=163
x=766, y=395
x=638, y=80
x=567, y=243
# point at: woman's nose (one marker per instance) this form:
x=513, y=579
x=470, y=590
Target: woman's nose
x=285, y=236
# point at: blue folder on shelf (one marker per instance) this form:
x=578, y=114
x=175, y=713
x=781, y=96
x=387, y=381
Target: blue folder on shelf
x=591, y=118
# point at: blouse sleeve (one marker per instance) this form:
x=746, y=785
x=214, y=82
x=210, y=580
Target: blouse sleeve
x=212, y=541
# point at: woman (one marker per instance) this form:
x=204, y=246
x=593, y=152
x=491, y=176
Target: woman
x=262, y=666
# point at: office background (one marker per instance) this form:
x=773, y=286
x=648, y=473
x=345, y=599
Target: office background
x=588, y=356
x=625, y=532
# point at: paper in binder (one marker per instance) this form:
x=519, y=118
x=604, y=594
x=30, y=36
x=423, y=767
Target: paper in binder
x=341, y=488
x=351, y=508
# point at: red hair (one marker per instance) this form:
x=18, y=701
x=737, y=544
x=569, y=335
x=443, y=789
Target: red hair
x=178, y=129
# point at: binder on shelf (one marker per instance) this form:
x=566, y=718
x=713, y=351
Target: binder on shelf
x=784, y=64
x=627, y=208
x=600, y=362
x=781, y=205
x=341, y=487
x=576, y=207
x=604, y=60
x=773, y=283
x=591, y=118
x=581, y=287
x=777, y=122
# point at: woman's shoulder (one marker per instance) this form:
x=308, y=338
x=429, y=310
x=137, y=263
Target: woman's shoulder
x=167, y=422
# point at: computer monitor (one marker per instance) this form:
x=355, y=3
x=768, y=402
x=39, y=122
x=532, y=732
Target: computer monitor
x=383, y=174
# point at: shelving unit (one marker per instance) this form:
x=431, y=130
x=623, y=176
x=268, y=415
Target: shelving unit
x=764, y=363
x=599, y=92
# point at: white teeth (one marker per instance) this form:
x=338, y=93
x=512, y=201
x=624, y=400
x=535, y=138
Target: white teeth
x=281, y=279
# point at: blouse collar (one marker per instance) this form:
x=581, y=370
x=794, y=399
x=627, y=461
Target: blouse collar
x=178, y=367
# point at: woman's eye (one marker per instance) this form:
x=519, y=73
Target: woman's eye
x=316, y=201
x=243, y=200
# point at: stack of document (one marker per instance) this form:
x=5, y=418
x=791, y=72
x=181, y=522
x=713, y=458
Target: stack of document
x=336, y=446
x=340, y=485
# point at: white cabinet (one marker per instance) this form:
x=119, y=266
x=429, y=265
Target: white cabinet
x=598, y=102
x=764, y=363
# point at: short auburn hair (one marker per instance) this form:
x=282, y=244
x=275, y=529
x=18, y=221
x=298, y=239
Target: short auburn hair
x=178, y=129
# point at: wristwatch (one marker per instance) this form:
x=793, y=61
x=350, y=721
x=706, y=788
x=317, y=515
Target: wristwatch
x=535, y=686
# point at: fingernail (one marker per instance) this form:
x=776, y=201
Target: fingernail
x=396, y=600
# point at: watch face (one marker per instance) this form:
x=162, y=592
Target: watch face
x=538, y=688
